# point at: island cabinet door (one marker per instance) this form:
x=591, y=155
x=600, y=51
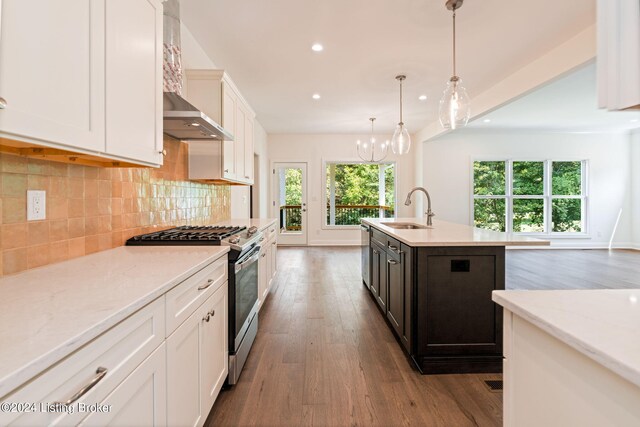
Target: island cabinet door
x=379, y=275
x=374, y=285
x=395, y=300
x=456, y=315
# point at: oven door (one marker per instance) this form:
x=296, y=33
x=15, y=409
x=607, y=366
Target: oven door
x=246, y=293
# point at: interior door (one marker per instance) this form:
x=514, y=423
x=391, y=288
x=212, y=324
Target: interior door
x=289, y=202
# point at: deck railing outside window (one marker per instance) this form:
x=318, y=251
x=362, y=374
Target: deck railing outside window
x=291, y=215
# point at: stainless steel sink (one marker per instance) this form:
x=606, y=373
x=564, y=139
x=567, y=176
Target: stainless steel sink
x=405, y=225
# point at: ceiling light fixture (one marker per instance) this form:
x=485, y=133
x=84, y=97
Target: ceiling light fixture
x=633, y=120
x=422, y=97
x=371, y=151
x=454, y=105
x=401, y=140
x=487, y=120
x=316, y=96
x=317, y=47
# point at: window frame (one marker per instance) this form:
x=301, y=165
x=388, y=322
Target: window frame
x=547, y=195
x=325, y=163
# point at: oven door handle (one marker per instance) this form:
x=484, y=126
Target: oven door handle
x=250, y=260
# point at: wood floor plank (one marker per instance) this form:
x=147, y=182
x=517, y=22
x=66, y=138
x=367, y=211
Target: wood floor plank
x=324, y=356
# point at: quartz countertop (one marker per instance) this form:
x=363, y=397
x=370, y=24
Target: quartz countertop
x=604, y=325
x=444, y=233
x=48, y=312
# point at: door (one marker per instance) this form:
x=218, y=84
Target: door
x=289, y=203
x=52, y=71
x=229, y=107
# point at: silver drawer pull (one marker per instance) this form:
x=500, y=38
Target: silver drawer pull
x=264, y=255
x=375, y=252
x=392, y=261
x=273, y=243
x=3, y=103
x=247, y=176
x=100, y=374
x=209, y=315
x=262, y=239
x=226, y=170
x=203, y=287
x=393, y=248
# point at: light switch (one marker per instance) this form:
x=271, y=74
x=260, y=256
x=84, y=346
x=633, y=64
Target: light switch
x=36, y=205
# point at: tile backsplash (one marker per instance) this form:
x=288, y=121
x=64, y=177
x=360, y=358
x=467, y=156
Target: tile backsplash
x=92, y=209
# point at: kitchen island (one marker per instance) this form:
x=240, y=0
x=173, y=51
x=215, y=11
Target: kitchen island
x=571, y=357
x=433, y=284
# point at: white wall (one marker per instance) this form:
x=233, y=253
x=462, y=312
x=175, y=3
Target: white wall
x=314, y=149
x=635, y=188
x=447, y=174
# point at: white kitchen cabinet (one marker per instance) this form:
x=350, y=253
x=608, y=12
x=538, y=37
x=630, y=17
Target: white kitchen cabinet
x=547, y=382
x=213, y=92
x=134, y=80
x=263, y=275
x=85, y=78
x=197, y=362
x=618, y=54
x=141, y=399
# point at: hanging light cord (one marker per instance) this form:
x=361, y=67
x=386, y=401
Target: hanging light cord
x=401, y=123
x=454, y=42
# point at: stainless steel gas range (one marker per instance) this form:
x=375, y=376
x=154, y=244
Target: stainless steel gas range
x=243, y=278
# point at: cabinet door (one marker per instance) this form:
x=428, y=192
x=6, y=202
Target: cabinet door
x=239, y=142
x=140, y=400
x=215, y=354
x=134, y=79
x=184, y=374
x=395, y=303
x=229, y=108
x=264, y=268
x=375, y=271
x=248, y=149
x=52, y=63
x=274, y=258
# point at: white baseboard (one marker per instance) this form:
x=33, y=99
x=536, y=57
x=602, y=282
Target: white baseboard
x=335, y=243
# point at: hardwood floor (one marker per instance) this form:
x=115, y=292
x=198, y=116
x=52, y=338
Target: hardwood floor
x=325, y=357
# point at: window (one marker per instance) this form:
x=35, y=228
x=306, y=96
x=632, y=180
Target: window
x=530, y=196
x=358, y=190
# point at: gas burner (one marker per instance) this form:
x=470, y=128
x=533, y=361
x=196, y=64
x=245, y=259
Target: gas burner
x=187, y=234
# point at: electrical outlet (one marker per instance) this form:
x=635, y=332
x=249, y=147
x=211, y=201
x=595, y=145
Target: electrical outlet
x=36, y=205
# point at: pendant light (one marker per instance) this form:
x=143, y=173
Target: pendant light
x=401, y=140
x=371, y=151
x=455, y=105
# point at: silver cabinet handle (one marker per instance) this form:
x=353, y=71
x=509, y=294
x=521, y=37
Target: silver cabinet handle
x=375, y=252
x=209, y=315
x=203, y=287
x=226, y=170
x=261, y=239
x=100, y=374
x=393, y=248
x=392, y=262
x=273, y=243
x=247, y=176
x=3, y=103
x=264, y=255
x=163, y=152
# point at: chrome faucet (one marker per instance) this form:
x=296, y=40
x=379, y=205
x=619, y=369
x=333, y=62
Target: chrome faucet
x=429, y=214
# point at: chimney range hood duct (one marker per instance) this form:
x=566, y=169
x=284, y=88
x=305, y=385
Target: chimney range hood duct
x=183, y=121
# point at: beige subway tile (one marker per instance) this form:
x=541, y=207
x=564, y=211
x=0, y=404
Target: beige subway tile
x=116, y=206
x=58, y=230
x=116, y=189
x=91, y=172
x=14, y=260
x=59, y=251
x=91, y=244
x=76, y=208
x=38, y=182
x=14, y=185
x=116, y=222
x=104, y=189
x=14, y=164
x=105, y=224
x=105, y=173
x=104, y=206
x=76, y=171
x=38, y=233
x=14, y=210
x=58, y=169
x=104, y=242
x=91, y=207
x=38, y=167
x=76, y=247
x=14, y=236
x=76, y=227
x=38, y=255
x=116, y=239
x=76, y=188
x=91, y=188
x=91, y=225
x=57, y=208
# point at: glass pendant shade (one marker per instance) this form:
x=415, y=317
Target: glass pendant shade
x=401, y=140
x=455, y=106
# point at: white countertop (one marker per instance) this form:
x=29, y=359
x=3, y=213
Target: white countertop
x=261, y=223
x=48, y=312
x=446, y=233
x=602, y=324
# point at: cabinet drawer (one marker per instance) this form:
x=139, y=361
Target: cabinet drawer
x=379, y=237
x=185, y=298
x=120, y=350
x=391, y=245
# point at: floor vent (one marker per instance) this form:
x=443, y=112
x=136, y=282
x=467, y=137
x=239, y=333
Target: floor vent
x=494, y=385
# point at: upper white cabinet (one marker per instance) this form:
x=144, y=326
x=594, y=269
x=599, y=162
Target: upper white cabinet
x=619, y=54
x=85, y=77
x=213, y=92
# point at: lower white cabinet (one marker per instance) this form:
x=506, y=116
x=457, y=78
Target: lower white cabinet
x=267, y=265
x=197, y=362
x=141, y=399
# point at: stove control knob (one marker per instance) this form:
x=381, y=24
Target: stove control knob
x=251, y=231
x=234, y=240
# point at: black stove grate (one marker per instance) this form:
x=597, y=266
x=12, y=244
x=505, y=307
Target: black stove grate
x=187, y=234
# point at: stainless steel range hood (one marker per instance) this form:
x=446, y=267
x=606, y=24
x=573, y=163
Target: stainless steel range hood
x=183, y=121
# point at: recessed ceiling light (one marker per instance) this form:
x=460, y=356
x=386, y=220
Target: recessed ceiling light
x=196, y=124
x=633, y=120
x=487, y=120
x=316, y=96
x=317, y=47
x=422, y=97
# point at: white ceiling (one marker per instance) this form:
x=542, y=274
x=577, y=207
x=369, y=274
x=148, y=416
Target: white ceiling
x=266, y=48
x=566, y=104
